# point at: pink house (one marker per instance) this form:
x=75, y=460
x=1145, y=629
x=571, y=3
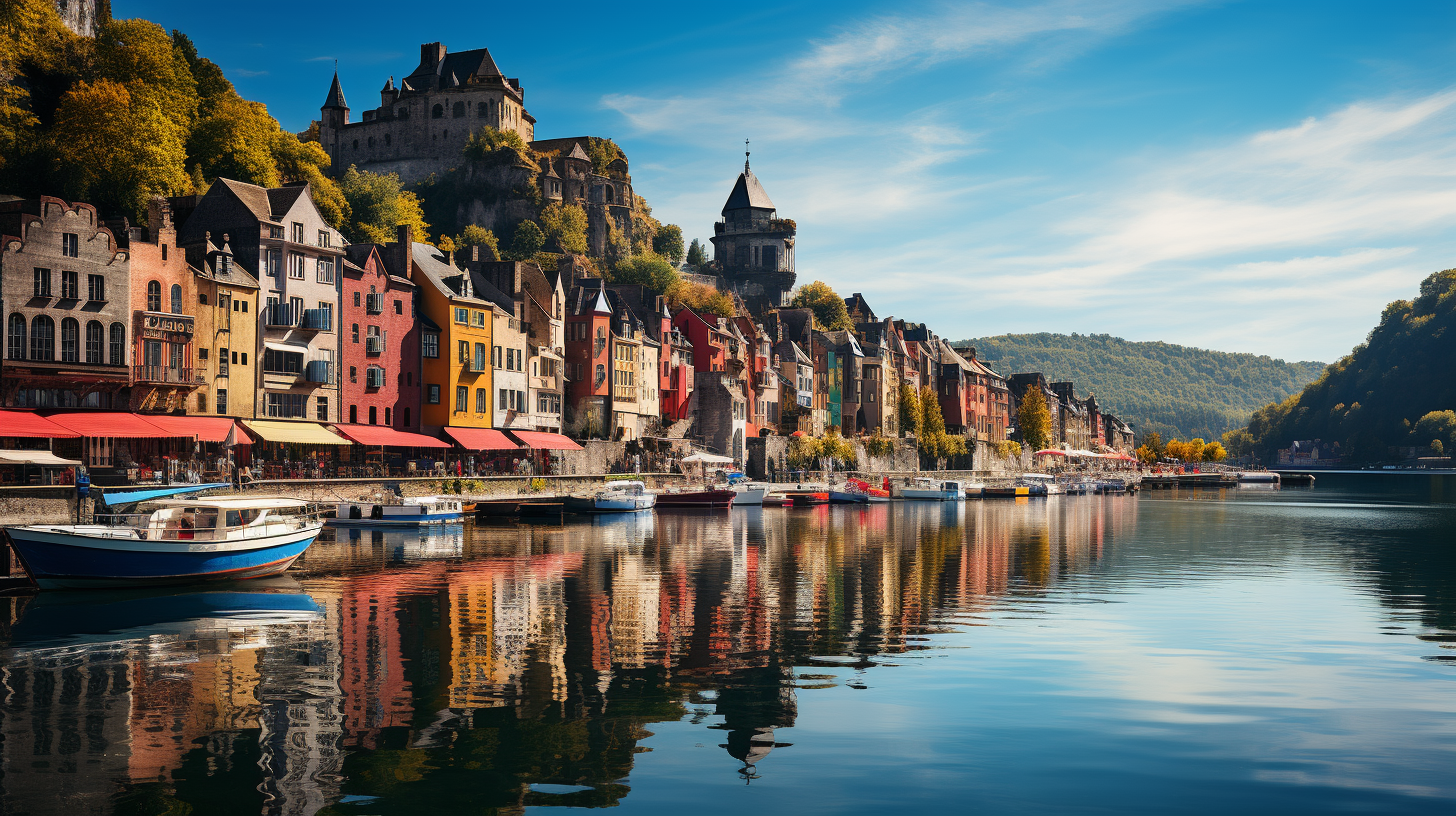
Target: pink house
x=380, y=340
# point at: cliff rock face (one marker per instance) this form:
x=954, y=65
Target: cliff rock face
x=1373, y=399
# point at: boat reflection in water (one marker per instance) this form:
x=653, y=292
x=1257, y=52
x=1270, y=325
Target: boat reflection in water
x=491, y=668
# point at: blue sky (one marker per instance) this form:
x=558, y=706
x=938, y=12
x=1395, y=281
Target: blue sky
x=1258, y=177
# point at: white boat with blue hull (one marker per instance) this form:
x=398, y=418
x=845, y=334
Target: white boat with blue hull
x=182, y=541
x=405, y=512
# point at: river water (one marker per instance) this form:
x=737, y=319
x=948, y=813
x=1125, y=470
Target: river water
x=1252, y=651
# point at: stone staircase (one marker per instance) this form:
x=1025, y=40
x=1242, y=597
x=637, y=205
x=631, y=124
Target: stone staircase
x=680, y=429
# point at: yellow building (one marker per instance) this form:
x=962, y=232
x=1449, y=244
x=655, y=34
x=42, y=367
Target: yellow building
x=455, y=344
x=226, y=334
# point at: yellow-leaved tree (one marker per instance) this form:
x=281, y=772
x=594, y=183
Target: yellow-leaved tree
x=1034, y=419
x=117, y=150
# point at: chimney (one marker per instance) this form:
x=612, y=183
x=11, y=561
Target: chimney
x=403, y=236
x=431, y=54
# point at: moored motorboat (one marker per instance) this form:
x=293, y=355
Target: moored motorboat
x=776, y=500
x=1006, y=492
x=749, y=494
x=497, y=508
x=182, y=541
x=1041, y=484
x=927, y=489
x=1258, y=477
x=616, y=497
x=848, y=497
x=404, y=512
x=709, y=498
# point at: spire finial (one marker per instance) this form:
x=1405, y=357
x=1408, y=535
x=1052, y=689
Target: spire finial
x=745, y=155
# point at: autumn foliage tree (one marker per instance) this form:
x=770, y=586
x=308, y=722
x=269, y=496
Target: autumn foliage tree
x=909, y=407
x=1034, y=420
x=377, y=204
x=828, y=307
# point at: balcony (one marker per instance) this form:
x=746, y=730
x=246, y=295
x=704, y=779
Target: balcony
x=319, y=371
x=374, y=377
x=167, y=374
x=373, y=345
x=374, y=303
x=317, y=320
x=278, y=317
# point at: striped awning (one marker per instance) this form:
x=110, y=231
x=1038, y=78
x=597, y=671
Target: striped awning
x=299, y=433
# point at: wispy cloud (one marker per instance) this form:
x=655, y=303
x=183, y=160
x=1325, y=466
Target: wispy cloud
x=321, y=59
x=244, y=72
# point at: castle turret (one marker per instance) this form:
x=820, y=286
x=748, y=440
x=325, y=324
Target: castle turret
x=754, y=248
x=388, y=93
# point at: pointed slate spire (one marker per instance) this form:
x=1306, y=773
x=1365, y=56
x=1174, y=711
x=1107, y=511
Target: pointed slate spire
x=336, y=95
x=601, y=306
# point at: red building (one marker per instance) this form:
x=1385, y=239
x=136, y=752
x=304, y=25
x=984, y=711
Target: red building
x=380, y=339
x=710, y=343
x=589, y=360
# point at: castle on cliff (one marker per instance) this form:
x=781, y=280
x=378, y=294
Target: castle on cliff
x=421, y=126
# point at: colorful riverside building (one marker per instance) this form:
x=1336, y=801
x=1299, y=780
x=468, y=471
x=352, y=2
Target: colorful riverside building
x=379, y=335
x=167, y=366
x=455, y=336
x=66, y=293
x=226, y=328
x=281, y=233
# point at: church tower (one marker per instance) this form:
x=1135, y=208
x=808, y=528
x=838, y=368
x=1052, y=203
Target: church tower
x=754, y=248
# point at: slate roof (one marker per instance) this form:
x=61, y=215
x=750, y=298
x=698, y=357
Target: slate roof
x=252, y=196
x=336, y=94
x=747, y=192
x=281, y=199
x=431, y=263
x=461, y=67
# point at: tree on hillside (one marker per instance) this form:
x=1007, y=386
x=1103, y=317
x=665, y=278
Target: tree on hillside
x=828, y=307
x=1214, y=452
x=1154, y=441
x=701, y=298
x=474, y=235
x=697, y=257
x=668, y=242
x=564, y=226
x=526, y=241
x=1034, y=420
x=647, y=269
x=117, y=150
x=377, y=204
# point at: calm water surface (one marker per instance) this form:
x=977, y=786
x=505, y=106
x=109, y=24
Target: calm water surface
x=1251, y=651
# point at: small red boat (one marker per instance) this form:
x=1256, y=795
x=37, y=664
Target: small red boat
x=807, y=498
x=696, y=498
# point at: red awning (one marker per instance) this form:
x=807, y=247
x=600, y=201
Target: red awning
x=1050, y=452
x=112, y=424
x=203, y=429
x=482, y=439
x=541, y=440
x=388, y=437
x=27, y=424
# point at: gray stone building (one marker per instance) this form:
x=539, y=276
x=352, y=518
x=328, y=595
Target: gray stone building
x=421, y=125
x=280, y=233
x=753, y=247
x=65, y=291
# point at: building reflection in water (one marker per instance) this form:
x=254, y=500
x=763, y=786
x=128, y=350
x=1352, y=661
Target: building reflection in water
x=466, y=667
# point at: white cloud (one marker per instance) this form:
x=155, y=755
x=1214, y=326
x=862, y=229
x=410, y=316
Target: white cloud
x=1322, y=221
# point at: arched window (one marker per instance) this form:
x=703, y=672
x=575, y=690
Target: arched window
x=70, y=340
x=154, y=296
x=176, y=298
x=118, y=345
x=95, y=338
x=437, y=112
x=17, y=337
x=42, y=338
x=608, y=193
x=480, y=110
x=457, y=110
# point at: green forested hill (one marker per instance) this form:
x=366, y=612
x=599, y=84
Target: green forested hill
x=1395, y=389
x=1177, y=391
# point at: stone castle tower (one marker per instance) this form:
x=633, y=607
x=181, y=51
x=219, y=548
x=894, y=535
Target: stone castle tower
x=754, y=248
x=421, y=125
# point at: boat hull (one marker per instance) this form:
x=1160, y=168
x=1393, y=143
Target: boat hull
x=712, y=499
x=917, y=494
x=847, y=497
x=749, y=497
x=391, y=515
x=61, y=560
